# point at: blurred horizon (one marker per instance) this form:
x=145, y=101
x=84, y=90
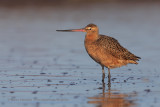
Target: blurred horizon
x=8, y=3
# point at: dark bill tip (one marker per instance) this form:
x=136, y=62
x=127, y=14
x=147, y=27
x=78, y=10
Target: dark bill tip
x=64, y=30
x=72, y=30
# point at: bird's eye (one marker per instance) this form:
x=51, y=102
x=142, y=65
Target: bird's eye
x=89, y=28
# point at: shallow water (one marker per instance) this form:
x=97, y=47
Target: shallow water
x=41, y=67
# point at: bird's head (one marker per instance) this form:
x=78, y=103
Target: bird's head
x=90, y=28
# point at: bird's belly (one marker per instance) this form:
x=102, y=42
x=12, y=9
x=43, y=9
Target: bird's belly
x=103, y=58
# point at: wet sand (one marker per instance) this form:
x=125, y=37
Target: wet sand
x=41, y=67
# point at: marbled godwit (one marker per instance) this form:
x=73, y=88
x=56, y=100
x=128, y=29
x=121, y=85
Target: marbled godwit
x=105, y=50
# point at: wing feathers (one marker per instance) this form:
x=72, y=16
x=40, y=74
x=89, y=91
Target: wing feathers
x=114, y=48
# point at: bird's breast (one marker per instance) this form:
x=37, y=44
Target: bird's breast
x=92, y=49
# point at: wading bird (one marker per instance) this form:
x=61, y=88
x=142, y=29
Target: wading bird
x=105, y=50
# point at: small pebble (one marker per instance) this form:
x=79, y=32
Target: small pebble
x=34, y=92
x=61, y=81
x=72, y=83
x=147, y=90
x=100, y=88
x=65, y=73
x=11, y=91
x=42, y=73
x=49, y=80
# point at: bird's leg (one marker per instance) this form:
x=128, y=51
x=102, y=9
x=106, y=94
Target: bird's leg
x=103, y=74
x=103, y=70
x=109, y=75
x=109, y=78
x=103, y=86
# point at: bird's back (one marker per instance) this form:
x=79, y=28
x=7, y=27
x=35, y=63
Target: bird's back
x=113, y=47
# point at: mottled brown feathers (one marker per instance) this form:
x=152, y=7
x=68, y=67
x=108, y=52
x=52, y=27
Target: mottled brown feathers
x=113, y=47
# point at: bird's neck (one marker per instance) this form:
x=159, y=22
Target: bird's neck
x=91, y=37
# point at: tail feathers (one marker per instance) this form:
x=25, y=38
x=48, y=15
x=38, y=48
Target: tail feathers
x=138, y=58
x=132, y=61
x=134, y=58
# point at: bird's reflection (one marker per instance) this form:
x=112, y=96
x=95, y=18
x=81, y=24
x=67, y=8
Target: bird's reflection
x=112, y=98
